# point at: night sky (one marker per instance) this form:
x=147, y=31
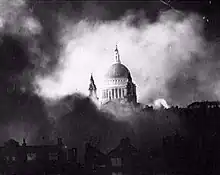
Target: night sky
x=39, y=37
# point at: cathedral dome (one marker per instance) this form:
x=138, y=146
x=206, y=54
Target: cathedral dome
x=118, y=85
x=117, y=70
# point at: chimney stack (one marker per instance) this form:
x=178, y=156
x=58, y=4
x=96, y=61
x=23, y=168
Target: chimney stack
x=60, y=141
x=24, y=142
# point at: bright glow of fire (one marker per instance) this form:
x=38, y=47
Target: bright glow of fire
x=159, y=103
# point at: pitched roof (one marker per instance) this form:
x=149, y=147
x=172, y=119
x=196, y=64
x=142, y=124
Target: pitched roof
x=124, y=147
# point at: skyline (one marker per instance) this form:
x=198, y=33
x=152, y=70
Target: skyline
x=59, y=35
x=154, y=64
x=40, y=40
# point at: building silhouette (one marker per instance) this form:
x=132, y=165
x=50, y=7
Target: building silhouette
x=194, y=153
x=96, y=162
x=40, y=159
x=124, y=159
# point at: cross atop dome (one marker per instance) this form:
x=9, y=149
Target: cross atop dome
x=117, y=56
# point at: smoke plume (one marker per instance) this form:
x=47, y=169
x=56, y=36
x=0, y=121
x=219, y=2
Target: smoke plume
x=81, y=122
x=22, y=112
x=56, y=51
x=157, y=54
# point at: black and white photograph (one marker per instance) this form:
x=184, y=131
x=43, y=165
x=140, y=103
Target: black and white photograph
x=109, y=87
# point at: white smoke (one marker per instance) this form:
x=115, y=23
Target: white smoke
x=153, y=52
x=160, y=103
x=16, y=18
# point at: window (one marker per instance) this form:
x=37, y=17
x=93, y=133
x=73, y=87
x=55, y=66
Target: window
x=102, y=166
x=93, y=166
x=53, y=156
x=74, y=152
x=117, y=173
x=13, y=158
x=116, y=161
x=31, y=156
x=7, y=158
x=10, y=158
x=71, y=156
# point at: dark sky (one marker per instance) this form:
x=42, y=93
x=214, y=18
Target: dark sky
x=48, y=13
x=111, y=10
x=44, y=59
x=114, y=9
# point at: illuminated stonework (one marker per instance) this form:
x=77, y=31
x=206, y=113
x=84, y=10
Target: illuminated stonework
x=118, y=84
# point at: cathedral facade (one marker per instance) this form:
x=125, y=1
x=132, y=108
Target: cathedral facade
x=118, y=84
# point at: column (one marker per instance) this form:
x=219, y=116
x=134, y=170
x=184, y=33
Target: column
x=109, y=93
x=120, y=93
x=125, y=92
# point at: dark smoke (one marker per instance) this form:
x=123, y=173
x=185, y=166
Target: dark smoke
x=35, y=50
x=76, y=118
x=22, y=112
x=85, y=123
x=48, y=46
x=79, y=120
x=197, y=80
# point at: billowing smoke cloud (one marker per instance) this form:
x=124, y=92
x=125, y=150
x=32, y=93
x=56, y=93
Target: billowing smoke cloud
x=22, y=112
x=85, y=123
x=156, y=53
x=80, y=121
x=16, y=18
x=160, y=103
x=198, y=80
